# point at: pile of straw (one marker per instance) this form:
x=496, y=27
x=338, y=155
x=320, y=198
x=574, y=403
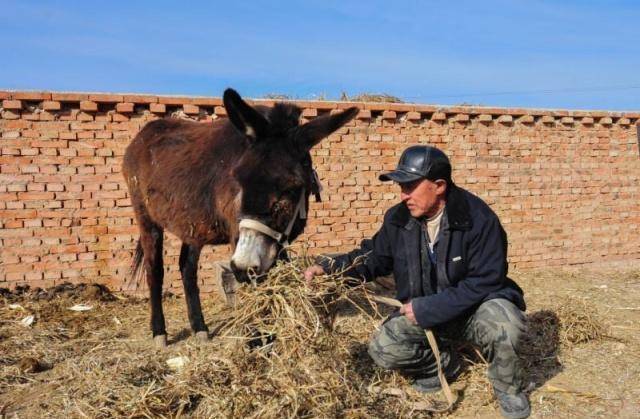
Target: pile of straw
x=580, y=322
x=288, y=349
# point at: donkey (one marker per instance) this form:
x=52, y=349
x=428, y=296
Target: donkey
x=245, y=181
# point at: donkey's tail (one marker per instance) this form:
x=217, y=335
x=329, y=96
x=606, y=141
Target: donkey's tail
x=135, y=272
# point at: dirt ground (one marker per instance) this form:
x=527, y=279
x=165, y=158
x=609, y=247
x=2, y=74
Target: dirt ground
x=101, y=362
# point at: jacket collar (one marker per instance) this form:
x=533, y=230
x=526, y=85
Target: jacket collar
x=457, y=211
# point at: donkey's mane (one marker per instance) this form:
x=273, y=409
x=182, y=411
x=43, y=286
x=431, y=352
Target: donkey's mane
x=282, y=117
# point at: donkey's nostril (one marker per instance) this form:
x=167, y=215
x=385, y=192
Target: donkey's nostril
x=233, y=266
x=240, y=275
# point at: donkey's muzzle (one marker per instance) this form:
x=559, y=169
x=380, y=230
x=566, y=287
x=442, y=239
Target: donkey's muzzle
x=249, y=275
x=241, y=275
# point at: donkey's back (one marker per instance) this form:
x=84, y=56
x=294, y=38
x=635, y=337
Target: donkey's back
x=175, y=170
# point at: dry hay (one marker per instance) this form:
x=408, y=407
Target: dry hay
x=580, y=322
x=371, y=97
x=286, y=350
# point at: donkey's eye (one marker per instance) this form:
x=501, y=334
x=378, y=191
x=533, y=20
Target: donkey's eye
x=287, y=194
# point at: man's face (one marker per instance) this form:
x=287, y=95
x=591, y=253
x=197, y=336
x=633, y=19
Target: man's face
x=423, y=197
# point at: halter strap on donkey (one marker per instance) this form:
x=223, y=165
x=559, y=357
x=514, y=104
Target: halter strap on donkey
x=300, y=212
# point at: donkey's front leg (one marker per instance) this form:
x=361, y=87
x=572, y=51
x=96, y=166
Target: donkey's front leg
x=189, y=256
x=151, y=241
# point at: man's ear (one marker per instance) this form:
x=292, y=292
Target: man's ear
x=244, y=117
x=441, y=186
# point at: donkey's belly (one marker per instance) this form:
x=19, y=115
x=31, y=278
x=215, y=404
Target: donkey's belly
x=192, y=216
x=199, y=233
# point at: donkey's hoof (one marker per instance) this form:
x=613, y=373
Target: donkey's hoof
x=160, y=341
x=202, y=336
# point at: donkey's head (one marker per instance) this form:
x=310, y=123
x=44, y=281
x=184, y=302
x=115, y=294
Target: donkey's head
x=275, y=178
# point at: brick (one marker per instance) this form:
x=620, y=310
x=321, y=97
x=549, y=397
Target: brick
x=309, y=112
x=84, y=135
x=10, y=115
x=105, y=98
x=118, y=117
x=55, y=187
x=29, y=152
x=12, y=104
x=191, y=109
x=142, y=99
x=32, y=96
x=47, y=116
x=32, y=116
x=84, y=116
x=413, y=116
x=50, y=105
x=69, y=97
x=206, y=101
x=104, y=116
x=10, y=134
x=388, y=115
x=174, y=100
x=17, y=125
x=33, y=223
x=548, y=119
x=624, y=121
x=157, y=108
x=13, y=224
x=88, y=106
x=439, y=116
x=31, y=196
x=125, y=107
x=364, y=114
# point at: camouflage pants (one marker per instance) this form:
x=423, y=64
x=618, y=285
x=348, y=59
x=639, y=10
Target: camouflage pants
x=496, y=327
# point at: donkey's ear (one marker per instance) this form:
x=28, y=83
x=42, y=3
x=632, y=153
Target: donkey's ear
x=243, y=116
x=313, y=132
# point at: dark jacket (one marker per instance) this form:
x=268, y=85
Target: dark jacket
x=471, y=262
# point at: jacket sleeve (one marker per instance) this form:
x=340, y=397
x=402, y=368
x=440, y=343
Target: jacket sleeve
x=486, y=273
x=371, y=260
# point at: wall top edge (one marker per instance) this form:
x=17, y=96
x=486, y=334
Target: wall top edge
x=142, y=98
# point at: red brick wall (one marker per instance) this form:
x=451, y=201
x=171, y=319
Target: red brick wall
x=565, y=183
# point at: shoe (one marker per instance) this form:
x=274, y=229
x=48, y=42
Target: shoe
x=432, y=384
x=513, y=406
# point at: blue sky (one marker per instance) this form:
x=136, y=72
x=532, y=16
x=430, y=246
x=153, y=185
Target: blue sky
x=543, y=54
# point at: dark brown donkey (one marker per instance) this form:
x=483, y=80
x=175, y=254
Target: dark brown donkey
x=244, y=181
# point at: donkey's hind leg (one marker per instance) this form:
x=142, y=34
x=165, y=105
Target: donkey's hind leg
x=151, y=236
x=189, y=256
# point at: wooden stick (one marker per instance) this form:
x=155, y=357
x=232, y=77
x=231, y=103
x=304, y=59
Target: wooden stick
x=431, y=338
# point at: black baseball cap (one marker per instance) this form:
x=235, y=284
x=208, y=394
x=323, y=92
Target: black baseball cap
x=420, y=162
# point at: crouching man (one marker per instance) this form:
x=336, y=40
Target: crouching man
x=448, y=253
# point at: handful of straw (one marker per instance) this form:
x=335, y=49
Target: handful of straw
x=286, y=310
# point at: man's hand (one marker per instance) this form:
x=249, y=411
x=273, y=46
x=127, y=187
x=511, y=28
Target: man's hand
x=407, y=310
x=312, y=271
